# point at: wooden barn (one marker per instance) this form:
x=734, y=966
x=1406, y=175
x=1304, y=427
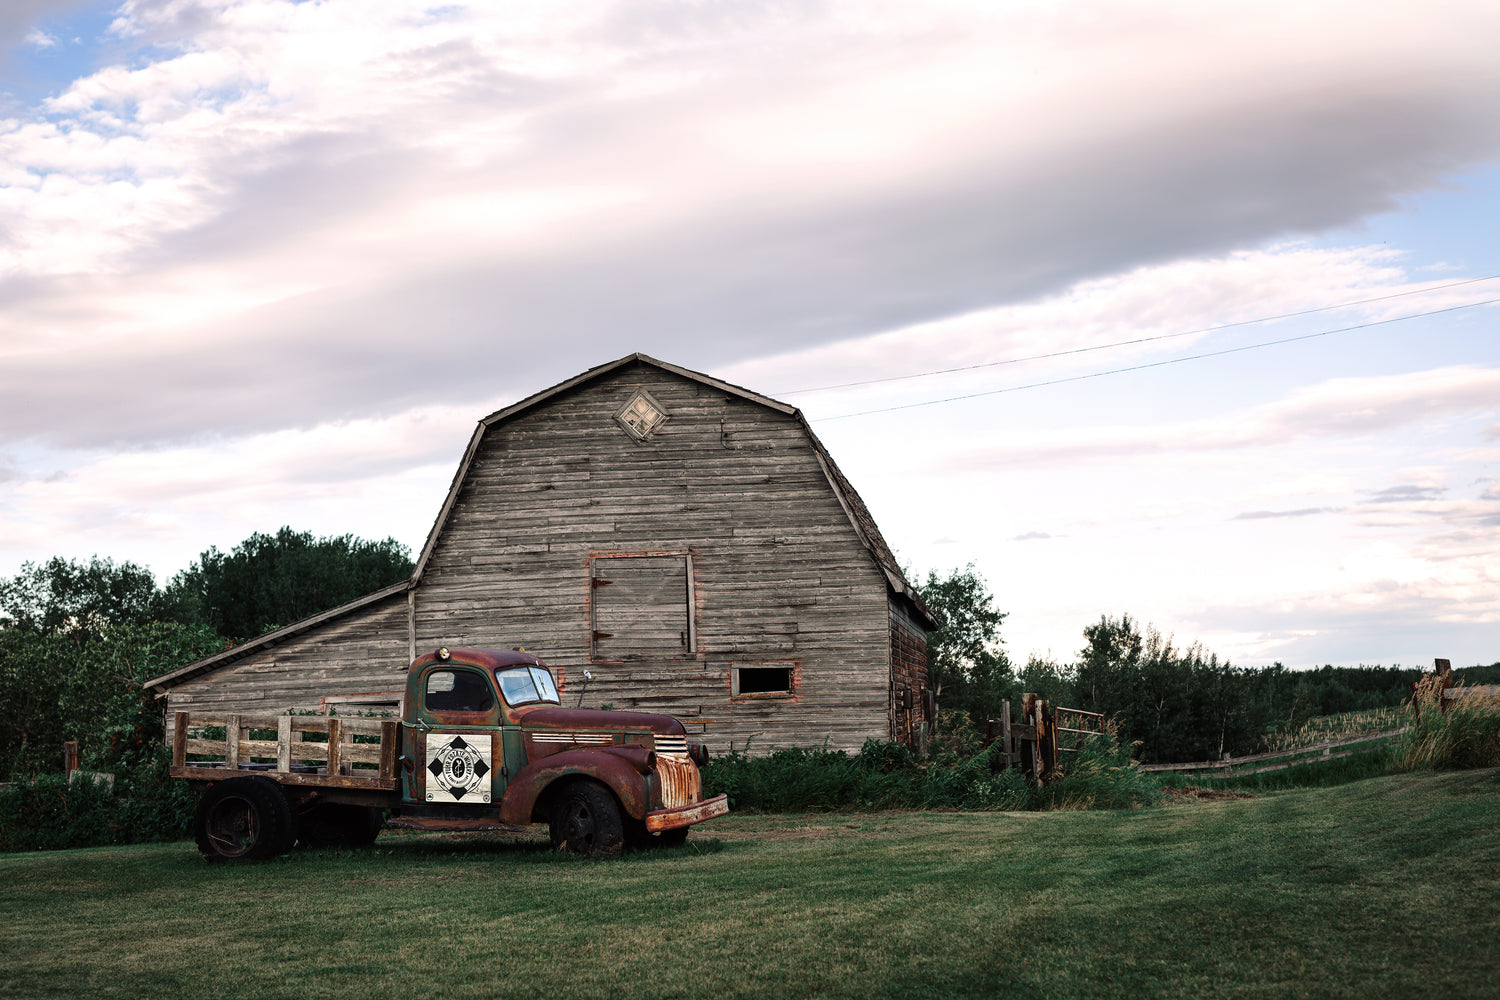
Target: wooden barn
x=689, y=543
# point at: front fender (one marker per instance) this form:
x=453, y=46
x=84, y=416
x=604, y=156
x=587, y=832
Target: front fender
x=622, y=769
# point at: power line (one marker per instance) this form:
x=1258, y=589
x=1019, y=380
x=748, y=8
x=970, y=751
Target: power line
x=1142, y=340
x=1170, y=361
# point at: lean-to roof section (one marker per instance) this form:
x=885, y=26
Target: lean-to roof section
x=244, y=649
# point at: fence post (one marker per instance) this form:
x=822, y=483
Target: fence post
x=70, y=758
x=1006, y=746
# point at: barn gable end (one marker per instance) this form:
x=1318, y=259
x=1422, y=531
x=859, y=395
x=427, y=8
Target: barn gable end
x=689, y=543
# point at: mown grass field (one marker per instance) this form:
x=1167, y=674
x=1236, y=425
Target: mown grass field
x=1386, y=887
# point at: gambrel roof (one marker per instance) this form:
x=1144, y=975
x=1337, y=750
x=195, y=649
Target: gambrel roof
x=854, y=508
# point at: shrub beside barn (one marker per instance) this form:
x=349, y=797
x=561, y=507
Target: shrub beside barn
x=689, y=543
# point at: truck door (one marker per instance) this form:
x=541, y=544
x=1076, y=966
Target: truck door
x=459, y=754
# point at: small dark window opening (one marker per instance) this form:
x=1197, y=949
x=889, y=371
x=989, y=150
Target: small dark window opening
x=762, y=680
x=458, y=691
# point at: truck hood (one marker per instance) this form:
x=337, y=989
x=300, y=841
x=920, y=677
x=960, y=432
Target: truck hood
x=556, y=717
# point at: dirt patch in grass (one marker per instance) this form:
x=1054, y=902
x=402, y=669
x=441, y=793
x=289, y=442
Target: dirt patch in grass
x=1197, y=794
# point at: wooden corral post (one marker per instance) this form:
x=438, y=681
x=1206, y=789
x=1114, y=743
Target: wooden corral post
x=1031, y=758
x=1047, y=740
x=1005, y=737
x=1440, y=680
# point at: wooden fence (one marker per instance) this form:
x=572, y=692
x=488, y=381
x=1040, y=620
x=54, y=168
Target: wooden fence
x=1032, y=743
x=1313, y=752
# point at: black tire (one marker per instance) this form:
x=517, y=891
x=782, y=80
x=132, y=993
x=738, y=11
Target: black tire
x=642, y=839
x=673, y=838
x=244, y=819
x=585, y=819
x=331, y=824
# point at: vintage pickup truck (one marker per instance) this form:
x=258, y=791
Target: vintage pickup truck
x=483, y=742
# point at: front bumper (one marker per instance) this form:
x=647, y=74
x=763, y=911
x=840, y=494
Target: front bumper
x=697, y=812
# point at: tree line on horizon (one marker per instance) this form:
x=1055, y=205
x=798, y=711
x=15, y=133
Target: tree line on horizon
x=1178, y=704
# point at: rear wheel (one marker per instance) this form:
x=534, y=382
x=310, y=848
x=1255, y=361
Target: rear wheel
x=244, y=819
x=335, y=824
x=585, y=819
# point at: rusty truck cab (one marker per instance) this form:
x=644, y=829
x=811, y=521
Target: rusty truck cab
x=485, y=738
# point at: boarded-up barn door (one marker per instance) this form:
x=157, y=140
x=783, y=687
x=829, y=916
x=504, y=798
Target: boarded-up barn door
x=642, y=608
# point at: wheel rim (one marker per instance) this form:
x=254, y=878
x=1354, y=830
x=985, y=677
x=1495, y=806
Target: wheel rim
x=578, y=827
x=233, y=827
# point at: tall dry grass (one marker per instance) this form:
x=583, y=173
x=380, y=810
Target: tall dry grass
x=1466, y=735
x=1324, y=728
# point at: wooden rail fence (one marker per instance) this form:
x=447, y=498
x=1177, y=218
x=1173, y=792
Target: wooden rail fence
x=1319, y=751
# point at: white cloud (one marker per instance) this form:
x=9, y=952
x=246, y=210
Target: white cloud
x=1187, y=302
x=39, y=39
x=711, y=185
x=1338, y=408
x=239, y=264
x=370, y=477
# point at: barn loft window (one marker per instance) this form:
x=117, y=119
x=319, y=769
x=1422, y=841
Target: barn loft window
x=643, y=608
x=760, y=680
x=641, y=415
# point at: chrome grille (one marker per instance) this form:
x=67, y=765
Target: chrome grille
x=680, y=784
x=670, y=744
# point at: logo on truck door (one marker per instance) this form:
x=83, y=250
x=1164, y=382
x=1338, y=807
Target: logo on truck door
x=458, y=768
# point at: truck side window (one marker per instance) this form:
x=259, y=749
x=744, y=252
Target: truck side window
x=458, y=691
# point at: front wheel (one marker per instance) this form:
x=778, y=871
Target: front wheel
x=586, y=820
x=244, y=819
x=642, y=839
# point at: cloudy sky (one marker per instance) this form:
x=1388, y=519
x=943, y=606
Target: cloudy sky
x=1186, y=310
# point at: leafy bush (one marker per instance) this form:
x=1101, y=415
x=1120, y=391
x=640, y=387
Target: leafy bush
x=886, y=775
x=1101, y=776
x=48, y=811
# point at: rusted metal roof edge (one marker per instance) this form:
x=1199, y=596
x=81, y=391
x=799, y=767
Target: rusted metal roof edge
x=210, y=663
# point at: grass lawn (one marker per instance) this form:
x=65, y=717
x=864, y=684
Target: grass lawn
x=1388, y=887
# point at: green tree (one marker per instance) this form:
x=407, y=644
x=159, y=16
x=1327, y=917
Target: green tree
x=966, y=662
x=273, y=580
x=64, y=596
x=1047, y=679
x=1180, y=705
x=86, y=686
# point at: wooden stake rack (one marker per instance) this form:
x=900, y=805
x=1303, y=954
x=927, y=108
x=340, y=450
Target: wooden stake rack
x=290, y=758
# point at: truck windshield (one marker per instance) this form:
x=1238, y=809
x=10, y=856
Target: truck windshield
x=524, y=685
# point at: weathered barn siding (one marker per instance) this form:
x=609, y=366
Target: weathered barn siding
x=722, y=570
x=779, y=574
x=360, y=653
x=910, y=705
